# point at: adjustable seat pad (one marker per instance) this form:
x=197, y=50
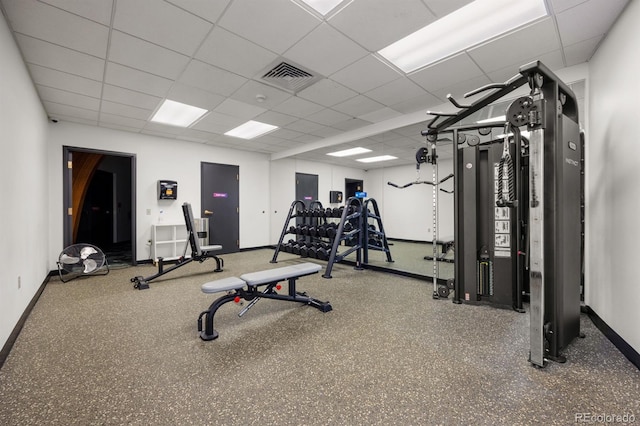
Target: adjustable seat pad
x=214, y=247
x=280, y=274
x=223, y=284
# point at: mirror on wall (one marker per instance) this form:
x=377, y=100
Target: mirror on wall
x=407, y=214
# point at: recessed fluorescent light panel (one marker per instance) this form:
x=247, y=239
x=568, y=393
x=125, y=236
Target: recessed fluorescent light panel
x=251, y=129
x=322, y=6
x=376, y=159
x=177, y=114
x=348, y=152
x=468, y=26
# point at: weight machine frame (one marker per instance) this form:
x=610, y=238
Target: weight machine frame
x=554, y=250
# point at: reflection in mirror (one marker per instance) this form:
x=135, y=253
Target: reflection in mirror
x=407, y=214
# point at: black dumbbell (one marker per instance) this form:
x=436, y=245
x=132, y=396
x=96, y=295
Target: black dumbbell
x=322, y=254
x=293, y=230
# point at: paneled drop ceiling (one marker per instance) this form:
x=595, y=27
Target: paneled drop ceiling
x=110, y=63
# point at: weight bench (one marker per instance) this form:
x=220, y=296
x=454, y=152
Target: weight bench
x=236, y=290
x=198, y=252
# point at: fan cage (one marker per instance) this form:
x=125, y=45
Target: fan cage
x=80, y=260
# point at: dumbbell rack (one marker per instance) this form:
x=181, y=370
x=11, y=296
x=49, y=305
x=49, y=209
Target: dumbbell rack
x=352, y=235
x=374, y=237
x=317, y=237
x=314, y=234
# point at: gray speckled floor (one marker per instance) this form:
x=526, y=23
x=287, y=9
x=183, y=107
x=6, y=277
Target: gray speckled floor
x=96, y=352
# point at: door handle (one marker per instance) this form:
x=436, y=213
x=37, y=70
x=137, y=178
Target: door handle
x=208, y=212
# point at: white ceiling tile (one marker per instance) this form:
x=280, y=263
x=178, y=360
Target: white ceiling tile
x=275, y=25
x=136, y=53
x=54, y=109
x=366, y=74
x=96, y=10
x=304, y=126
x=446, y=73
x=193, y=96
x=376, y=24
x=395, y=91
x=445, y=7
x=43, y=21
x=106, y=118
x=205, y=9
x=325, y=51
x=88, y=122
x=298, y=107
x=327, y=93
x=161, y=23
x=248, y=92
x=325, y=132
x=582, y=51
x=60, y=58
x=328, y=117
x=285, y=134
x=352, y=124
x=58, y=96
x=553, y=61
x=65, y=81
x=221, y=48
x=125, y=110
x=412, y=130
x=562, y=5
x=133, y=79
x=239, y=109
x=491, y=55
x=307, y=138
x=588, y=20
x=210, y=78
x=276, y=118
x=413, y=104
x=358, y=106
x=380, y=115
x=129, y=97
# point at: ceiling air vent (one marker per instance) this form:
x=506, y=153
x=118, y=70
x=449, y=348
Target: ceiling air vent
x=288, y=76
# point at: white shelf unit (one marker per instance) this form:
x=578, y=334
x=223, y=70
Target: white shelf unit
x=168, y=241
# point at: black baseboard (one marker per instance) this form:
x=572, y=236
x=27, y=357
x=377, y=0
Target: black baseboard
x=4, y=353
x=626, y=349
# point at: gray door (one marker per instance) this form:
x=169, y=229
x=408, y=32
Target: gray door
x=220, y=202
x=306, y=188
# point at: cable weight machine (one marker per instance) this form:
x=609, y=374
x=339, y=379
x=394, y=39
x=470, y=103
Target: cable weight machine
x=551, y=249
x=429, y=155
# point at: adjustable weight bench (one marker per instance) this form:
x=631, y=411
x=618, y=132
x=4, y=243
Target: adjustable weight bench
x=236, y=290
x=198, y=252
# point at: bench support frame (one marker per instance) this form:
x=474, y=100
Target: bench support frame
x=251, y=293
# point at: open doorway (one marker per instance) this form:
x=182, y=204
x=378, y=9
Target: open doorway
x=99, y=200
x=351, y=186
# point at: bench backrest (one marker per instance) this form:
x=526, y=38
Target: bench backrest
x=191, y=224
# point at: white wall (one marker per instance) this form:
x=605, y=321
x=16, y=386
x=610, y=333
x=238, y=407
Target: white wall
x=160, y=158
x=613, y=177
x=25, y=197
